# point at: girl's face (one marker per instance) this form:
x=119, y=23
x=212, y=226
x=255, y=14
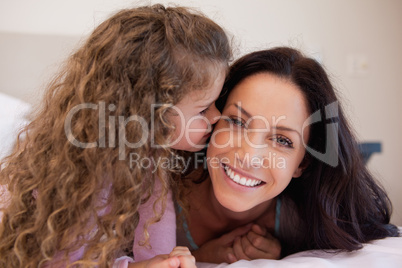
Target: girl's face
x=194, y=116
x=257, y=145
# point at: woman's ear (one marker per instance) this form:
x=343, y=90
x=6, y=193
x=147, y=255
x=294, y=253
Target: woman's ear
x=303, y=165
x=298, y=172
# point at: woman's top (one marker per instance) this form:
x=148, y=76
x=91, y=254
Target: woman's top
x=287, y=228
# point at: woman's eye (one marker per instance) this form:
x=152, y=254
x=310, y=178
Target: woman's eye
x=235, y=121
x=283, y=141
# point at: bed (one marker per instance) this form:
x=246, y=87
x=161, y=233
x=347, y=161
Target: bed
x=383, y=253
x=380, y=253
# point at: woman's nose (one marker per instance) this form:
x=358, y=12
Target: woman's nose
x=252, y=151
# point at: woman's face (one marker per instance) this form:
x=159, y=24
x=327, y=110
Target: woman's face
x=257, y=146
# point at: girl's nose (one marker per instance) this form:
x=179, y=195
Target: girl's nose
x=214, y=115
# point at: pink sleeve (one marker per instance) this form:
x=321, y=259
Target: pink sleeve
x=162, y=234
x=122, y=262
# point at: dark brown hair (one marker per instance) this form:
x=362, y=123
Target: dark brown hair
x=63, y=197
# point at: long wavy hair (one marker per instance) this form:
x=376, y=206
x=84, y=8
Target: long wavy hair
x=70, y=185
x=338, y=201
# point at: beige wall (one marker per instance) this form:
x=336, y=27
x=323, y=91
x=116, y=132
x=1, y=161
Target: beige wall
x=28, y=61
x=358, y=41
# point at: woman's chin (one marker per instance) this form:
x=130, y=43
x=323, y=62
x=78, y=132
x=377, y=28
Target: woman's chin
x=233, y=205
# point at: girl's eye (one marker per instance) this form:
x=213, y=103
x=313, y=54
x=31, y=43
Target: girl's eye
x=283, y=141
x=235, y=121
x=204, y=111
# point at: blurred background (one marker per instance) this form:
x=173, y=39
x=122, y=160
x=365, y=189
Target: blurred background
x=358, y=41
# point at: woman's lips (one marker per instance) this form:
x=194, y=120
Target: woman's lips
x=240, y=178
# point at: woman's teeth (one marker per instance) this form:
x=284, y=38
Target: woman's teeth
x=239, y=179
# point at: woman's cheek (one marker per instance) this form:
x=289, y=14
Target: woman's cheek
x=221, y=139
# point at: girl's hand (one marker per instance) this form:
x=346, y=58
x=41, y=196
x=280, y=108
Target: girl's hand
x=186, y=260
x=257, y=244
x=221, y=249
x=179, y=257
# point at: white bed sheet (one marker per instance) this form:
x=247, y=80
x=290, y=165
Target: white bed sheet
x=383, y=253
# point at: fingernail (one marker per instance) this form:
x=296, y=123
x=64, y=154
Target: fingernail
x=231, y=258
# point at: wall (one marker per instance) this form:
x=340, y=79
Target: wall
x=358, y=41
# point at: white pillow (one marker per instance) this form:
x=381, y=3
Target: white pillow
x=12, y=118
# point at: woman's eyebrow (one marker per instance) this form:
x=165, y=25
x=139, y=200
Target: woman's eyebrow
x=283, y=128
x=242, y=110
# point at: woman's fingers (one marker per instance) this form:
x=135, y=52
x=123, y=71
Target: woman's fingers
x=259, y=229
x=256, y=246
x=230, y=237
x=231, y=258
x=238, y=250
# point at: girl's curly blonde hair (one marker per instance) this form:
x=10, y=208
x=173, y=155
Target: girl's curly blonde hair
x=64, y=197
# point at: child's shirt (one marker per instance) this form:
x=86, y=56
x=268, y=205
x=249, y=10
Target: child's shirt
x=162, y=234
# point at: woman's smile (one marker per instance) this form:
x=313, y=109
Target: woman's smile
x=240, y=178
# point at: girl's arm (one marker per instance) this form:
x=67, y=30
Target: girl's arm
x=162, y=234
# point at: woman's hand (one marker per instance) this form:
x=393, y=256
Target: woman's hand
x=221, y=249
x=257, y=244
